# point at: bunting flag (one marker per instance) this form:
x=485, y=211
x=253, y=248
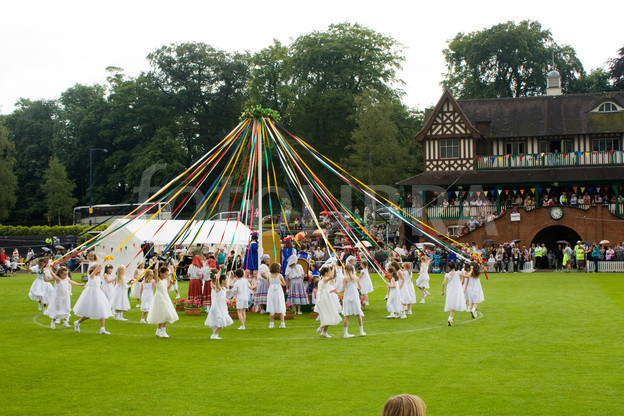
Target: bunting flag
x=521, y=157
x=590, y=189
x=542, y=154
x=456, y=193
x=521, y=191
x=500, y=158
x=548, y=190
x=535, y=156
x=586, y=154
x=564, y=155
x=478, y=193
x=485, y=192
x=492, y=159
x=506, y=156
x=582, y=189
x=515, y=191
x=578, y=153
x=533, y=190
x=506, y=191
x=598, y=189
x=499, y=191
x=575, y=188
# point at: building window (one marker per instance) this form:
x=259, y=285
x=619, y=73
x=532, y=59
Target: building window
x=543, y=147
x=603, y=145
x=515, y=148
x=449, y=149
x=568, y=146
x=607, y=107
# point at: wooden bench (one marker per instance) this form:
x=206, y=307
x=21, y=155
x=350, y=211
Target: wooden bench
x=606, y=266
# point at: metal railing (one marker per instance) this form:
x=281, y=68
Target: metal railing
x=549, y=160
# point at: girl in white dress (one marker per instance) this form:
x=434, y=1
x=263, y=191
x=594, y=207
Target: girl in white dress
x=406, y=288
x=218, y=316
x=41, y=289
x=351, y=304
x=473, y=289
x=260, y=297
x=60, y=301
x=120, y=302
x=92, y=303
x=454, y=294
x=147, y=294
x=339, y=276
x=366, y=285
x=423, y=277
x=108, y=282
x=162, y=310
x=325, y=305
x=242, y=291
x=135, y=292
x=394, y=298
x=276, y=304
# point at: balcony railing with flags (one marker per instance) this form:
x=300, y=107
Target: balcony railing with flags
x=551, y=160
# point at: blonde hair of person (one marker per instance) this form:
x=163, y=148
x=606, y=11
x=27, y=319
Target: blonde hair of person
x=404, y=405
x=148, y=276
x=121, y=272
x=350, y=273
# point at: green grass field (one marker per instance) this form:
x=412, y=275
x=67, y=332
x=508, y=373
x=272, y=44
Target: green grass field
x=544, y=344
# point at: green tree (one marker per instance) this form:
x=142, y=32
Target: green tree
x=596, y=81
x=58, y=190
x=383, y=148
x=507, y=60
x=206, y=87
x=8, y=184
x=269, y=84
x=31, y=127
x=616, y=70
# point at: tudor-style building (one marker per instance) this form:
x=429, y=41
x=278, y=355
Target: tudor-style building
x=496, y=152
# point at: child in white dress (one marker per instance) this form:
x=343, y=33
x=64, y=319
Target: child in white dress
x=147, y=294
x=218, y=316
x=351, y=304
x=108, y=282
x=41, y=289
x=120, y=302
x=406, y=288
x=162, y=310
x=92, y=303
x=394, y=298
x=276, y=305
x=454, y=294
x=328, y=315
x=242, y=291
x=60, y=301
x=135, y=292
x=366, y=283
x=473, y=289
x=423, y=277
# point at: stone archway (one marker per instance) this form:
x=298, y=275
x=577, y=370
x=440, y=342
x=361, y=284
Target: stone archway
x=550, y=235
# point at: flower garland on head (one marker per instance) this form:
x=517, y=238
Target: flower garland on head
x=258, y=112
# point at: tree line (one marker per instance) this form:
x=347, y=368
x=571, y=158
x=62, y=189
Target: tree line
x=337, y=89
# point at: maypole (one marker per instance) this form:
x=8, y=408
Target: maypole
x=259, y=140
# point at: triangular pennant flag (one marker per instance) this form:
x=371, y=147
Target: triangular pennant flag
x=478, y=158
x=485, y=192
x=478, y=193
x=582, y=189
x=506, y=191
x=610, y=152
x=564, y=155
x=522, y=191
x=500, y=158
x=598, y=189
x=575, y=188
x=513, y=157
x=506, y=156
x=499, y=191
x=493, y=159
x=515, y=191
x=456, y=193
x=535, y=157
x=606, y=188
x=533, y=190
x=586, y=153
x=542, y=154
x=521, y=157
x=590, y=189
x=578, y=153
x=547, y=189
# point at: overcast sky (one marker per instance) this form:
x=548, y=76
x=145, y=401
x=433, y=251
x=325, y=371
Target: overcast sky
x=48, y=46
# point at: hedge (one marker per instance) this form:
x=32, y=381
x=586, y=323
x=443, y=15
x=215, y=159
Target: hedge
x=44, y=230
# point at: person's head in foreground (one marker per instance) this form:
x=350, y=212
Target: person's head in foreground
x=404, y=405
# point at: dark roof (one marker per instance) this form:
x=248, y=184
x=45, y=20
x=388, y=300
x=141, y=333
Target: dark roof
x=562, y=115
x=510, y=177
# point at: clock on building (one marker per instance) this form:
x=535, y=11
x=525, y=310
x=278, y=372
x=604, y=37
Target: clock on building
x=556, y=213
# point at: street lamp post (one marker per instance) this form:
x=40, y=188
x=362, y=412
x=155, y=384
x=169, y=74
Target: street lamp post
x=91, y=180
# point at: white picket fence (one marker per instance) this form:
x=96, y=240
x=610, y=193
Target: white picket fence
x=606, y=266
x=527, y=267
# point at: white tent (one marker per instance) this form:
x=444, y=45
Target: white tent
x=161, y=233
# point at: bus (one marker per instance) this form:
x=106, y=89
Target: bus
x=107, y=213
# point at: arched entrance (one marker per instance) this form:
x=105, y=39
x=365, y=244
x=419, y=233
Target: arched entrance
x=550, y=236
